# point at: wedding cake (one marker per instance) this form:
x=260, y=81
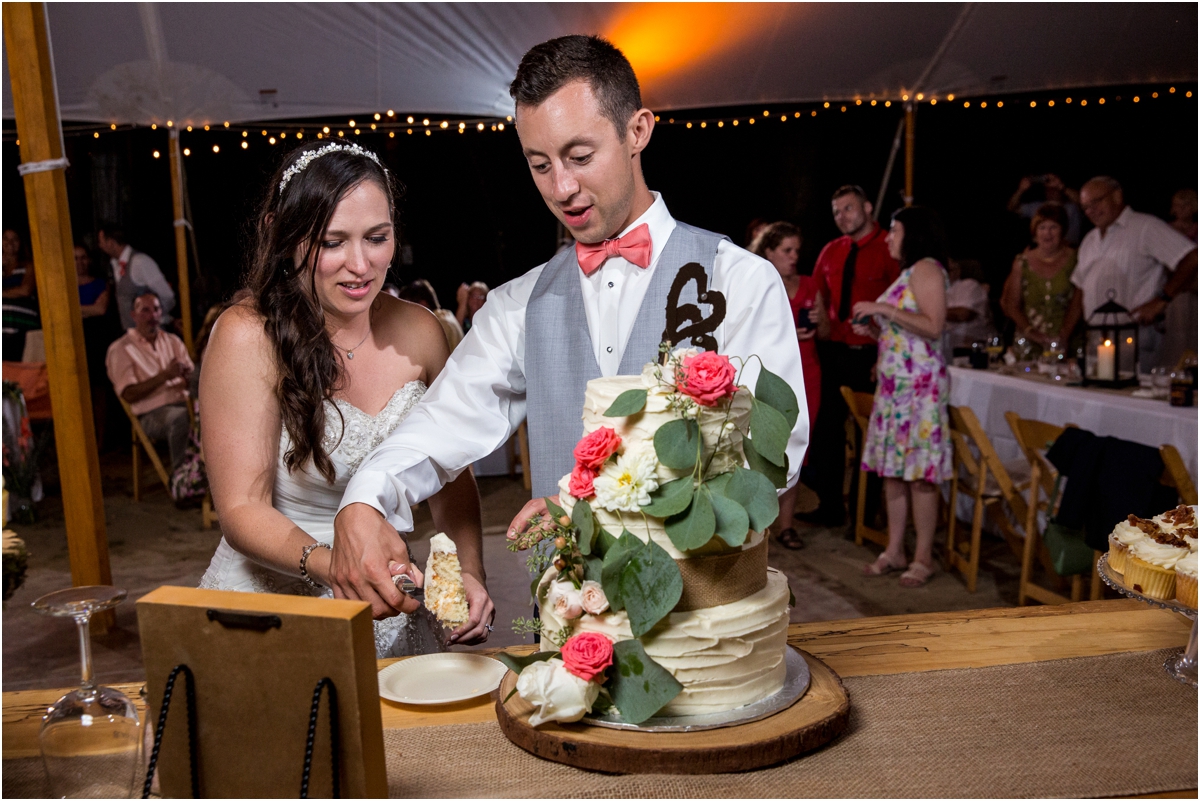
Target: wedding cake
x=659, y=553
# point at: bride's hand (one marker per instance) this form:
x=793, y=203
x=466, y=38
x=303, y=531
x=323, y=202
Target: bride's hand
x=482, y=612
x=364, y=545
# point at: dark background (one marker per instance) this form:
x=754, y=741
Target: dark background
x=471, y=211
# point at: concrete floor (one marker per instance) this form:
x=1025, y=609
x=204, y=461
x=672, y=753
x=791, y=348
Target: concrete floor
x=152, y=543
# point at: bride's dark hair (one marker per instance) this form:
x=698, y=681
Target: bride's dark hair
x=292, y=221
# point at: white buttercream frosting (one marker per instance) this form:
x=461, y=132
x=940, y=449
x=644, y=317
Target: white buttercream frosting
x=1169, y=524
x=1187, y=565
x=1127, y=534
x=1156, y=553
x=440, y=543
x=724, y=656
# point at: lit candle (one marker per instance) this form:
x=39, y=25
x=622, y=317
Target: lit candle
x=1106, y=361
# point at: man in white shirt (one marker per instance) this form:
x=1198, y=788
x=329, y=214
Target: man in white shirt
x=1130, y=255
x=133, y=274
x=582, y=131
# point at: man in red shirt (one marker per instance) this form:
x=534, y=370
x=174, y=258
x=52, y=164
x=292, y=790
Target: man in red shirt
x=851, y=268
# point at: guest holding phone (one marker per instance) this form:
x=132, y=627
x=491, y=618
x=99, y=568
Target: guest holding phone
x=779, y=243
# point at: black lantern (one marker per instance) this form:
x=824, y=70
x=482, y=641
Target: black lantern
x=1110, y=350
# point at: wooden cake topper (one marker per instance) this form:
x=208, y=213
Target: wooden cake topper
x=687, y=321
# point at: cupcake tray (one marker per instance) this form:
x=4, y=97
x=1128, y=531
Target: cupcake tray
x=1181, y=666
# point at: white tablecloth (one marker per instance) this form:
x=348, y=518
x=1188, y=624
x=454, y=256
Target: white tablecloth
x=1150, y=422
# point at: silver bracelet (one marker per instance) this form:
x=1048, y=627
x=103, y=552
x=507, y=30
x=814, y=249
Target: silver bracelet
x=308, y=549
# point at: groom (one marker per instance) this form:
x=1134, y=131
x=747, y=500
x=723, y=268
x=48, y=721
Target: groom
x=597, y=309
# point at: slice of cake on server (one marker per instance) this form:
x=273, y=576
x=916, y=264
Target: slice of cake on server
x=657, y=599
x=444, y=593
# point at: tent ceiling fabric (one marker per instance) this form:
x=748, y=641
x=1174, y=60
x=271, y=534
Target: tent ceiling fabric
x=201, y=63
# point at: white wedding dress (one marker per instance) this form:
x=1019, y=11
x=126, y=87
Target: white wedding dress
x=310, y=502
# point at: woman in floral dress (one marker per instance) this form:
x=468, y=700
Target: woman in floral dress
x=908, y=440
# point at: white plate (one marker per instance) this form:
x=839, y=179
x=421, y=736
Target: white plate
x=440, y=678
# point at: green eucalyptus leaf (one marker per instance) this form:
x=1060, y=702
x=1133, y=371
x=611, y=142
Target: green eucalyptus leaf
x=614, y=562
x=518, y=663
x=631, y=401
x=671, y=498
x=733, y=522
x=775, y=392
x=695, y=525
x=770, y=432
x=554, y=508
x=639, y=685
x=593, y=568
x=582, y=519
x=650, y=587
x=677, y=444
x=603, y=542
x=533, y=588
x=757, y=496
x=776, y=474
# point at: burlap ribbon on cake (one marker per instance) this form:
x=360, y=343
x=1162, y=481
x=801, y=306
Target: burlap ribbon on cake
x=710, y=581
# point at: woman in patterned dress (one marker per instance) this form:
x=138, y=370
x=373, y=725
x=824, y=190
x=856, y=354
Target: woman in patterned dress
x=908, y=440
x=1039, y=295
x=307, y=371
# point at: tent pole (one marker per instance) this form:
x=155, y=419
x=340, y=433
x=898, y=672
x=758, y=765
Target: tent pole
x=887, y=171
x=181, y=249
x=35, y=101
x=910, y=144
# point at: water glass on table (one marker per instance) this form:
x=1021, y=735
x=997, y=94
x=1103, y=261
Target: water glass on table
x=90, y=738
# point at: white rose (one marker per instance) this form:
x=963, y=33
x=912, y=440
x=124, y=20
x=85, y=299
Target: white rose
x=565, y=600
x=555, y=693
x=594, y=599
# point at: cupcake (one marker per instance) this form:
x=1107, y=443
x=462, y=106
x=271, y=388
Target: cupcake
x=1150, y=566
x=1181, y=517
x=1185, y=580
x=1126, y=533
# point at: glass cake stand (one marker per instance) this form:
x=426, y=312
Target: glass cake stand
x=1182, y=666
x=795, y=684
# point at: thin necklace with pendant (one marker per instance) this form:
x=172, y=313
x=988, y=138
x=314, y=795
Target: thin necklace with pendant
x=350, y=351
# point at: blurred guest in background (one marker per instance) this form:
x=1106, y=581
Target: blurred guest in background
x=20, y=313
x=470, y=300
x=852, y=268
x=753, y=229
x=149, y=370
x=1129, y=256
x=1035, y=190
x=908, y=440
x=18, y=267
x=421, y=292
x=968, y=313
x=1183, y=212
x=98, y=331
x=1038, y=294
x=93, y=291
x=133, y=273
x=779, y=243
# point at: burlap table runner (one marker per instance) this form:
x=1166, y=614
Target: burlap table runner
x=1096, y=726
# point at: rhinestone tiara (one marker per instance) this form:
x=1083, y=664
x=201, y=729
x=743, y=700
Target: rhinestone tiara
x=312, y=155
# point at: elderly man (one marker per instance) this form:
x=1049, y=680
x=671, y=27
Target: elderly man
x=149, y=369
x=133, y=273
x=1130, y=255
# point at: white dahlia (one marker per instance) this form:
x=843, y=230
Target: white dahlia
x=625, y=485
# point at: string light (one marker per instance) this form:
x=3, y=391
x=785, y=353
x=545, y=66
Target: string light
x=814, y=113
x=444, y=124
x=357, y=131
x=341, y=133
x=245, y=134
x=887, y=104
x=783, y=118
x=983, y=104
x=950, y=97
x=500, y=126
x=391, y=113
x=425, y=121
x=735, y=122
x=187, y=151
x=966, y=104
x=410, y=129
x=1189, y=93
x=1102, y=101
x=507, y=119
x=704, y=125
x=920, y=96
x=282, y=134
x=96, y=135
x=189, y=129
x=720, y=123
x=372, y=126
x=843, y=109
x=320, y=135
x=933, y=102
x=826, y=104
x=271, y=140
x=797, y=115
x=751, y=121
x=1050, y=104
x=858, y=102
x=170, y=123
x=300, y=135
x=428, y=132
x=351, y=123
x=377, y=117
x=325, y=129
x=154, y=126
x=226, y=123
x=391, y=134
x=264, y=133
x=206, y=127
x=873, y=102
x=1083, y=102
x=156, y=153
x=1136, y=99
x=409, y=120
x=1171, y=90
x=245, y=145
x=1033, y=104
x=216, y=148
x=766, y=113
x=999, y=104
x=904, y=98
x=480, y=126
x=113, y=126
x=1154, y=94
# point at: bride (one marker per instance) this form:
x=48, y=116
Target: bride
x=311, y=368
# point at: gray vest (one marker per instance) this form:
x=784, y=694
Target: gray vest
x=559, y=359
x=127, y=291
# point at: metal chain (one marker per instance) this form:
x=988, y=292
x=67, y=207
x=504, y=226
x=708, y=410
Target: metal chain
x=190, y=698
x=334, y=747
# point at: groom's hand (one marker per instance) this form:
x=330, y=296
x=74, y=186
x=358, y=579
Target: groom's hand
x=530, y=515
x=364, y=545
x=482, y=612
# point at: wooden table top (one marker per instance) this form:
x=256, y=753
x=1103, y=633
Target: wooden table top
x=858, y=647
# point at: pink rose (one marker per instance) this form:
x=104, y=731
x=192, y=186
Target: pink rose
x=593, y=597
x=581, y=482
x=587, y=655
x=565, y=600
x=706, y=378
x=594, y=449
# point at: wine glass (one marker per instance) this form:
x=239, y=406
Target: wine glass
x=91, y=737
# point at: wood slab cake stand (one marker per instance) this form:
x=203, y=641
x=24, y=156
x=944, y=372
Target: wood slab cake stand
x=819, y=716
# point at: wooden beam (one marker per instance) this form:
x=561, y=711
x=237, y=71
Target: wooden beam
x=910, y=147
x=181, y=251
x=35, y=101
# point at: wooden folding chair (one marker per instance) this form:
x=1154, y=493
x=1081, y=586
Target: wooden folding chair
x=1175, y=474
x=518, y=447
x=990, y=485
x=860, y=404
x=142, y=442
x=1034, y=437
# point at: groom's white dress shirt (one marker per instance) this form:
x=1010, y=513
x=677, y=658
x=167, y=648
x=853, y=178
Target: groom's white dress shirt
x=478, y=401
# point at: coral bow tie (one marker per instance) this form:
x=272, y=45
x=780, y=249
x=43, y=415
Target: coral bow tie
x=635, y=247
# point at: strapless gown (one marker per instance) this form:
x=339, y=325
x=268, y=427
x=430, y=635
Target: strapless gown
x=309, y=501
